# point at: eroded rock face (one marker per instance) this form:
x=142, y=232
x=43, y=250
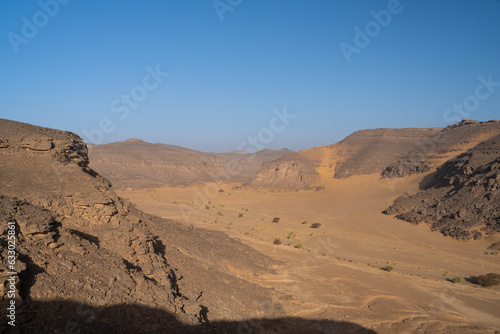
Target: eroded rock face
x=392, y=153
x=77, y=240
x=287, y=176
x=463, y=198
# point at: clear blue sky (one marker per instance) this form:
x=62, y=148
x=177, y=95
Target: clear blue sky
x=226, y=76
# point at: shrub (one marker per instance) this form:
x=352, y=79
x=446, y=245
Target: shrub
x=299, y=246
x=315, y=225
x=488, y=280
x=277, y=241
x=276, y=219
x=221, y=190
x=290, y=235
x=304, y=222
x=456, y=279
x=388, y=268
x=240, y=215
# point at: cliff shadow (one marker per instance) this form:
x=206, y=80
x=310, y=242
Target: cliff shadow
x=60, y=316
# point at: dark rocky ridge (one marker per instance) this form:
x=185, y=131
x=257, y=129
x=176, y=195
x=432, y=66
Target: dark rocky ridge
x=462, y=198
x=77, y=240
x=137, y=164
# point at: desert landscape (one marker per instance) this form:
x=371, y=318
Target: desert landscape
x=361, y=248
x=250, y=167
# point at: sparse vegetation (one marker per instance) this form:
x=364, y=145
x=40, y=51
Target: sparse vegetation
x=247, y=233
x=221, y=190
x=276, y=219
x=304, y=222
x=220, y=213
x=315, y=225
x=291, y=235
x=240, y=215
x=456, y=280
x=388, y=268
x=277, y=241
x=299, y=245
x=488, y=280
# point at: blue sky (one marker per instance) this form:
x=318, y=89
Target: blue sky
x=225, y=77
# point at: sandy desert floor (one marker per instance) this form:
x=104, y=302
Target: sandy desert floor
x=334, y=271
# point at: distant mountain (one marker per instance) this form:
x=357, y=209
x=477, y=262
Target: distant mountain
x=138, y=164
x=388, y=152
x=462, y=198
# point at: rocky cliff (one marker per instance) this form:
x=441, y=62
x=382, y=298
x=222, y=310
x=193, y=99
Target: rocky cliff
x=462, y=198
x=78, y=243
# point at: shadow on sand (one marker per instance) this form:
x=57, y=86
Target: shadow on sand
x=59, y=316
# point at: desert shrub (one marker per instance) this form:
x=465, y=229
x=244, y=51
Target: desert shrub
x=207, y=207
x=388, y=268
x=304, y=222
x=456, y=279
x=220, y=213
x=299, y=245
x=315, y=225
x=290, y=235
x=488, y=280
x=247, y=233
x=277, y=241
x=276, y=219
x=240, y=215
x=221, y=190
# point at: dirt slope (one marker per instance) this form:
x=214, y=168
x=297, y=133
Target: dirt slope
x=137, y=164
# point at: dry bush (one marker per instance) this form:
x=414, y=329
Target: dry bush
x=488, y=280
x=276, y=219
x=315, y=225
x=277, y=241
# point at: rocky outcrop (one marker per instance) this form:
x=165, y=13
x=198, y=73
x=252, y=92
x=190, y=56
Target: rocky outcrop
x=449, y=142
x=391, y=153
x=462, y=199
x=291, y=173
x=77, y=240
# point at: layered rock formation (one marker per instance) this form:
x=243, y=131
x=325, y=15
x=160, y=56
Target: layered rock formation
x=79, y=243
